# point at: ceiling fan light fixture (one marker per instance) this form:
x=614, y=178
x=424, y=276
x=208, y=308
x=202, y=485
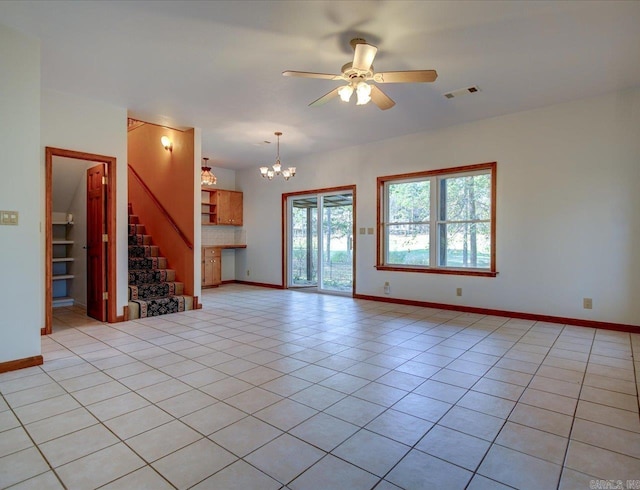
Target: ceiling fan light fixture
x=363, y=91
x=345, y=93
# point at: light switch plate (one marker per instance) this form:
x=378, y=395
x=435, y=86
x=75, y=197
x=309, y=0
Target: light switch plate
x=362, y=231
x=9, y=217
x=370, y=231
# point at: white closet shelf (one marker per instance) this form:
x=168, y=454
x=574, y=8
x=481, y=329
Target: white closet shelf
x=63, y=259
x=62, y=242
x=63, y=276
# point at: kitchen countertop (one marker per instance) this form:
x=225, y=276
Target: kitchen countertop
x=225, y=246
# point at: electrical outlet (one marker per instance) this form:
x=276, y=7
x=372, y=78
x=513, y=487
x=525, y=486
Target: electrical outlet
x=387, y=288
x=587, y=303
x=369, y=231
x=458, y=291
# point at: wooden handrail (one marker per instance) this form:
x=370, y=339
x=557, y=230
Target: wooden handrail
x=166, y=214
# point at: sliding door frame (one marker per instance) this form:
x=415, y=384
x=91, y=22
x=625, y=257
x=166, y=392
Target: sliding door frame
x=285, y=229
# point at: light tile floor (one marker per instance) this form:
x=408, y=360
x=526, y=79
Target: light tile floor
x=266, y=389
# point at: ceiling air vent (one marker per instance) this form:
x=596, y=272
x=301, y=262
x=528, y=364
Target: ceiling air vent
x=463, y=91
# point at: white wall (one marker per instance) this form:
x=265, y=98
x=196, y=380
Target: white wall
x=76, y=123
x=21, y=265
x=567, y=209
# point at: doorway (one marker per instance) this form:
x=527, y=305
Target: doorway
x=320, y=234
x=101, y=282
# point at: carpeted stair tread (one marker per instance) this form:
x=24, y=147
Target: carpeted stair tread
x=138, y=251
x=155, y=290
x=138, y=277
x=136, y=229
x=161, y=306
x=146, y=263
x=139, y=240
x=133, y=219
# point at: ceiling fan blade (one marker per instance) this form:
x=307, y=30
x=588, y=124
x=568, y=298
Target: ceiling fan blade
x=363, y=56
x=325, y=98
x=305, y=74
x=412, y=76
x=382, y=100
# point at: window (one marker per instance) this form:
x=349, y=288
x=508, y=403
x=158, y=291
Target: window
x=440, y=221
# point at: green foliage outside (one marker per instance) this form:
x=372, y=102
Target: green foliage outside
x=463, y=214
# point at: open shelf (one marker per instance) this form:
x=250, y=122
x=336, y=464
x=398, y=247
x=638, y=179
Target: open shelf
x=62, y=276
x=62, y=263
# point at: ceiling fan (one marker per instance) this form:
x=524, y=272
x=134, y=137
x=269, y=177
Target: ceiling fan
x=360, y=71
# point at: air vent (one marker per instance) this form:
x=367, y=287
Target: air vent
x=463, y=91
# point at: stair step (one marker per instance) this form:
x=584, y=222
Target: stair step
x=134, y=219
x=146, y=263
x=136, y=230
x=139, y=239
x=155, y=291
x=138, y=251
x=139, y=277
x=157, y=307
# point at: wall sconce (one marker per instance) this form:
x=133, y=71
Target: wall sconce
x=166, y=143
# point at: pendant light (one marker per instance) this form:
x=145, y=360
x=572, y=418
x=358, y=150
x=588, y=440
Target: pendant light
x=276, y=168
x=206, y=177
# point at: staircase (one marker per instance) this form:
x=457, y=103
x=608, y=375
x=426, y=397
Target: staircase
x=153, y=290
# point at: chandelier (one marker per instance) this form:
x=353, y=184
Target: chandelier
x=206, y=177
x=276, y=168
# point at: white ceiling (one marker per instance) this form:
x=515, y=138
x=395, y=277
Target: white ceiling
x=217, y=64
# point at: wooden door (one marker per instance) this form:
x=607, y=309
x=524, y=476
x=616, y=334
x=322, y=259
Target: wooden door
x=236, y=208
x=207, y=266
x=96, y=247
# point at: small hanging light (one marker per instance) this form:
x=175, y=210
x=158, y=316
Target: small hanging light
x=276, y=168
x=206, y=177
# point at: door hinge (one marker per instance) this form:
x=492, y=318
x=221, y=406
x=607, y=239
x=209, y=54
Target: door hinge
x=105, y=295
x=104, y=180
x=105, y=238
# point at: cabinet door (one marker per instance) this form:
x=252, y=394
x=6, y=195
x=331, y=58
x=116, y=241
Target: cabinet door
x=224, y=207
x=236, y=208
x=211, y=268
x=217, y=267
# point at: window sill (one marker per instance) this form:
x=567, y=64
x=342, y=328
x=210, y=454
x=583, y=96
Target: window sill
x=428, y=270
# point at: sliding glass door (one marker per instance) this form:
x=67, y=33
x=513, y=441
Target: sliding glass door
x=320, y=242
